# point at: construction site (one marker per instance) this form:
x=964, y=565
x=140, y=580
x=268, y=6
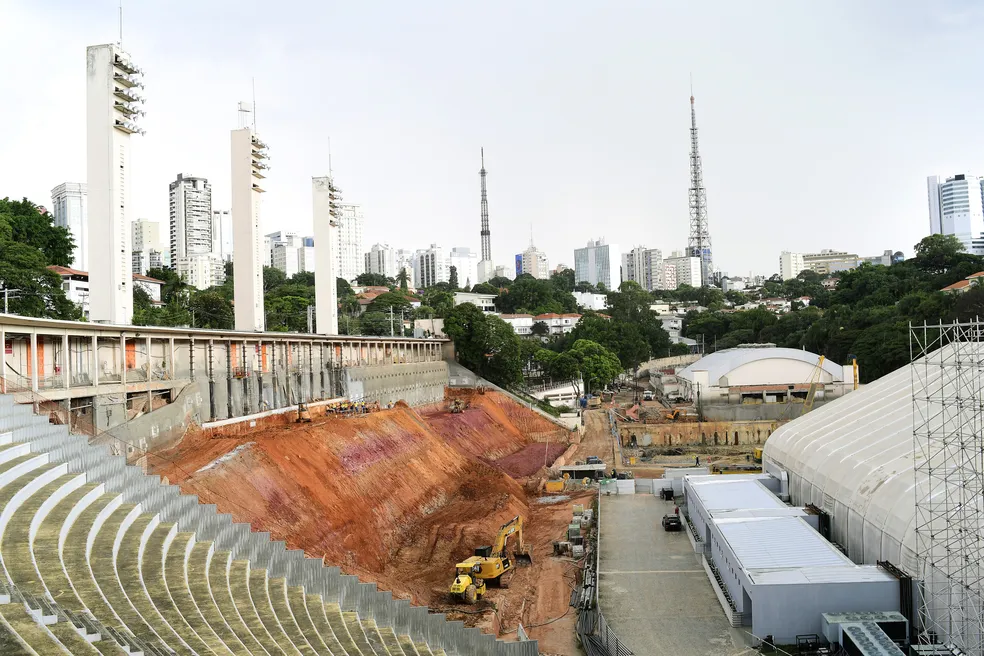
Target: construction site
x=399, y=496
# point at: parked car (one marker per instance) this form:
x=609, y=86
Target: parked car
x=593, y=460
x=647, y=395
x=672, y=523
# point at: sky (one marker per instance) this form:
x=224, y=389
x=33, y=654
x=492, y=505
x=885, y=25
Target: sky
x=819, y=122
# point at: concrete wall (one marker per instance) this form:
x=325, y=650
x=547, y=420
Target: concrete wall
x=757, y=411
x=772, y=371
x=691, y=433
x=152, y=430
x=416, y=383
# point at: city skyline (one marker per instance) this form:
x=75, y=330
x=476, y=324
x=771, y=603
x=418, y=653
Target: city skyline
x=830, y=135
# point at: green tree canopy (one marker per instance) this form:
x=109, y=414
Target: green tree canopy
x=485, y=344
x=374, y=280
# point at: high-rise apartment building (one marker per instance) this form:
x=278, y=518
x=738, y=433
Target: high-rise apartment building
x=534, y=262
x=790, y=265
x=956, y=207
x=381, y=260
x=351, y=256
x=113, y=106
x=668, y=280
x=431, y=266
x=145, y=245
x=598, y=263
x=191, y=216
x=68, y=202
x=686, y=269
x=505, y=272
x=643, y=266
x=222, y=234
x=290, y=253
x=249, y=155
x=465, y=263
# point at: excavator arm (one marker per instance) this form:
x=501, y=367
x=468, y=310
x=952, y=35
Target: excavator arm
x=513, y=526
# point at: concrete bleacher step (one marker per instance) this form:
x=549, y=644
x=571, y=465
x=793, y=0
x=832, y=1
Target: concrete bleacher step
x=218, y=587
x=337, y=623
x=239, y=588
x=374, y=639
x=33, y=637
x=188, y=581
x=298, y=607
x=316, y=611
x=358, y=634
x=260, y=594
x=277, y=589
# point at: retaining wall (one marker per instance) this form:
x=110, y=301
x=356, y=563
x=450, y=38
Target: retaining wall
x=690, y=433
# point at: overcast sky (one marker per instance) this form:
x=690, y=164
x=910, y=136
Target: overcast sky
x=819, y=122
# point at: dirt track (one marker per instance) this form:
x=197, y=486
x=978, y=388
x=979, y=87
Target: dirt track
x=398, y=497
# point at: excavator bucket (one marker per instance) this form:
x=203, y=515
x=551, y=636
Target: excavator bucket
x=523, y=558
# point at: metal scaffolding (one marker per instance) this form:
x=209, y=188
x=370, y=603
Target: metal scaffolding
x=948, y=441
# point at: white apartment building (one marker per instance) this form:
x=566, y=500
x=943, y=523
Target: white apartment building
x=381, y=260
x=534, y=262
x=522, y=324
x=465, y=263
x=790, y=265
x=191, y=216
x=598, y=263
x=830, y=261
x=146, y=246
x=68, y=202
x=222, y=234
x=558, y=324
x=290, y=252
x=956, y=207
x=505, y=272
x=686, y=270
x=733, y=284
x=484, y=302
x=591, y=301
x=669, y=278
x=643, y=266
x=201, y=271
x=113, y=108
x=351, y=255
x=431, y=266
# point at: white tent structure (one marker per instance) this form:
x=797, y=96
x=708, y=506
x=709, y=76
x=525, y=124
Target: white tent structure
x=858, y=460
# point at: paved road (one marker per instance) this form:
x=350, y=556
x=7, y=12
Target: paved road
x=653, y=590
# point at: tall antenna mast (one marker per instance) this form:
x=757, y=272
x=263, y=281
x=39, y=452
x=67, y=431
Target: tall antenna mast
x=121, y=24
x=699, y=243
x=253, y=80
x=329, y=157
x=486, y=240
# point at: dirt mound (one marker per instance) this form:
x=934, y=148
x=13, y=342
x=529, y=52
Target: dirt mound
x=491, y=427
x=350, y=489
x=530, y=459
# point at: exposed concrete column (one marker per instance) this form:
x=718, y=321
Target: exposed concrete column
x=229, y=378
x=210, y=369
x=172, y=369
x=34, y=361
x=3, y=360
x=150, y=375
x=123, y=365
x=67, y=361
x=94, y=361
x=259, y=376
x=311, y=394
x=246, y=375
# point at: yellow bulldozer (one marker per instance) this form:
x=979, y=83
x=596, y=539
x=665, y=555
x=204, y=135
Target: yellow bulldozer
x=486, y=568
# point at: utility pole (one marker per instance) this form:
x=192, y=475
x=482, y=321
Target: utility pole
x=6, y=299
x=699, y=243
x=310, y=318
x=391, y=321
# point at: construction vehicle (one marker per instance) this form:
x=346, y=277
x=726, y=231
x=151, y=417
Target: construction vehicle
x=486, y=568
x=757, y=455
x=303, y=414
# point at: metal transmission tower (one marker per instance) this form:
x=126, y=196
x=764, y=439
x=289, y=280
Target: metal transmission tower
x=948, y=447
x=699, y=244
x=486, y=242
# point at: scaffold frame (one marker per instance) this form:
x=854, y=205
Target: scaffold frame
x=948, y=443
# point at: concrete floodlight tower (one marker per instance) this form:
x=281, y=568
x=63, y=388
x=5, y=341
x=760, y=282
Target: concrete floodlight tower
x=113, y=106
x=249, y=163
x=326, y=199
x=699, y=243
x=486, y=269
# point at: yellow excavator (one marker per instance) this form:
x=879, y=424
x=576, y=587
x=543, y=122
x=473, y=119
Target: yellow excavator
x=489, y=564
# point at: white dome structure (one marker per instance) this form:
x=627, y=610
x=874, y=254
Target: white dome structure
x=856, y=460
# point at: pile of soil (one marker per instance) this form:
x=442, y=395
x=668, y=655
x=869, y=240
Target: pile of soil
x=530, y=459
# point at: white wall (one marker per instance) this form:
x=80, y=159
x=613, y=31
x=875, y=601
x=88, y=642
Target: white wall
x=772, y=371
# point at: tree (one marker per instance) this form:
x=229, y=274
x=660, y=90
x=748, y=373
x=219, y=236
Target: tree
x=373, y=280
x=375, y=323
x=485, y=344
x=500, y=282
x=453, y=277
x=35, y=230
x=387, y=300
x=563, y=281
x=585, y=287
x=598, y=366
x=540, y=329
x=272, y=278
x=173, y=285
x=403, y=278
x=484, y=288
x=286, y=313
x=937, y=253
x=211, y=310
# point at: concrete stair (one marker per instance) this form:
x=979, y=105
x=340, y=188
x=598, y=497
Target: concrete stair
x=98, y=558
